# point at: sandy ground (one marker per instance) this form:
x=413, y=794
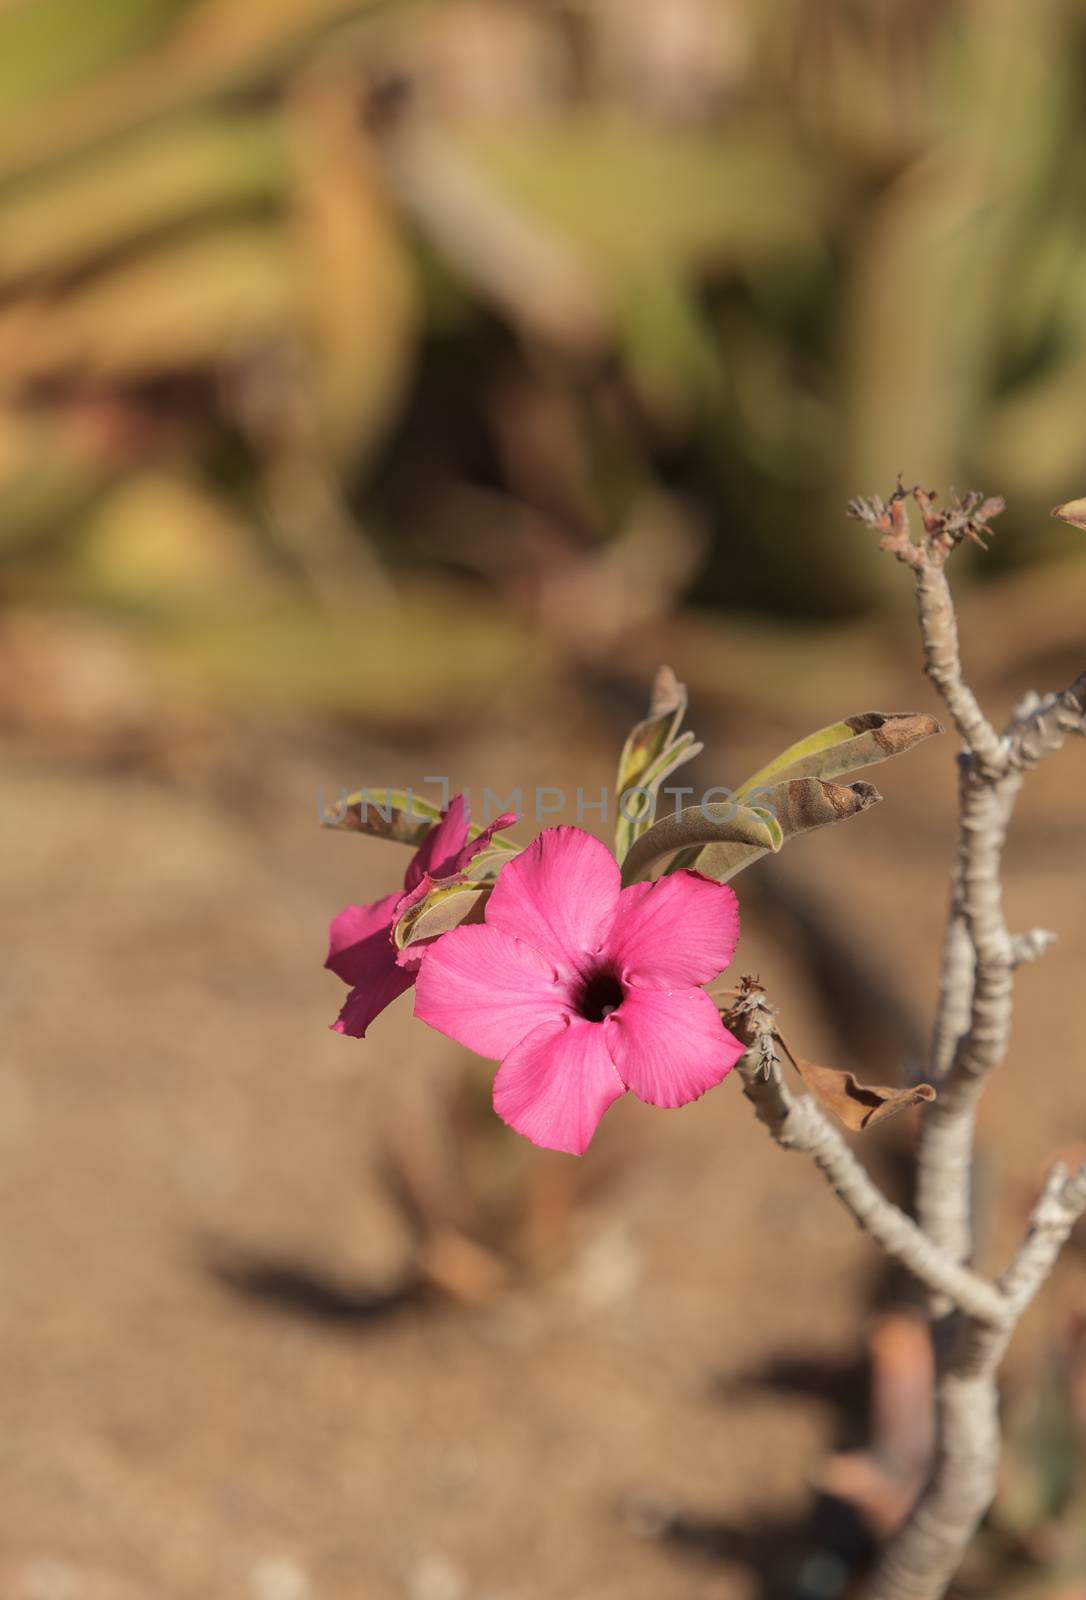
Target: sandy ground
x=219, y=1374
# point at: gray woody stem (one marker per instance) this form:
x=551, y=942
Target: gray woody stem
x=920, y=1562
x=922, y=1559
x=971, y=1035
x=797, y=1123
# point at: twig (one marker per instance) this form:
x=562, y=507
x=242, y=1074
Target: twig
x=797, y=1123
x=1040, y=727
x=943, y=532
x=1031, y=946
x=1062, y=1203
x=973, y=1018
x=970, y=1040
x=983, y=995
x=922, y=1558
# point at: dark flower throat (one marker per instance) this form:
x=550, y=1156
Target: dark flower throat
x=600, y=994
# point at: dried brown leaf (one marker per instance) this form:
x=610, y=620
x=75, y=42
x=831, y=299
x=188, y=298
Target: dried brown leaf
x=1073, y=512
x=856, y=1105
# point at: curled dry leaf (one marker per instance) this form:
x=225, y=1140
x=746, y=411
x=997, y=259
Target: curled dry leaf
x=754, y=828
x=856, y=1105
x=846, y=746
x=798, y=806
x=395, y=814
x=1072, y=511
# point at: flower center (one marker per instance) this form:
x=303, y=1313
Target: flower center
x=600, y=994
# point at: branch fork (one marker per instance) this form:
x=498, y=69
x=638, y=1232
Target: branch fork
x=798, y=1123
x=973, y=1318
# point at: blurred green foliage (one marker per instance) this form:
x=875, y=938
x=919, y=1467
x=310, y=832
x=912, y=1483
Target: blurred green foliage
x=298, y=295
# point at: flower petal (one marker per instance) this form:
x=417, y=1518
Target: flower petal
x=359, y=940
x=487, y=990
x=411, y=958
x=679, y=931
x=472, y=848
x=556, y=1085
x=669, y=1045
x=369, y=999
x=438, y=852
x=560, y=895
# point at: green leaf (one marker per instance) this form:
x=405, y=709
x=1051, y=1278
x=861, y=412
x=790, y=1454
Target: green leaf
x=446, y=906
x=192, y=170
x=846, y=746
x=50, y=46
x=217, y=49
x=651, y=737
x=395, y=814
x=716, y=197
x=180, y=305
x=363, y=344
x=717, y=823
x=406, y=818
x=654, y=750
x=484, y=867
x=799, y=806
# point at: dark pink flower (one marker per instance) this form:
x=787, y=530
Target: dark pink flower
x=583, y=989
x=360, y=947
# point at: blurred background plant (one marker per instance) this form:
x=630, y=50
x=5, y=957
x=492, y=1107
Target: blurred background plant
x=306, y=305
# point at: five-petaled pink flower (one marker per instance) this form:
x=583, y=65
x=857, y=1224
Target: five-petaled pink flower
x=360, y=947
x=583, y=989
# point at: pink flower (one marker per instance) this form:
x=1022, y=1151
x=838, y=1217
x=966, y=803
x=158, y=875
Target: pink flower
x=583, y=989
x=360, y=947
